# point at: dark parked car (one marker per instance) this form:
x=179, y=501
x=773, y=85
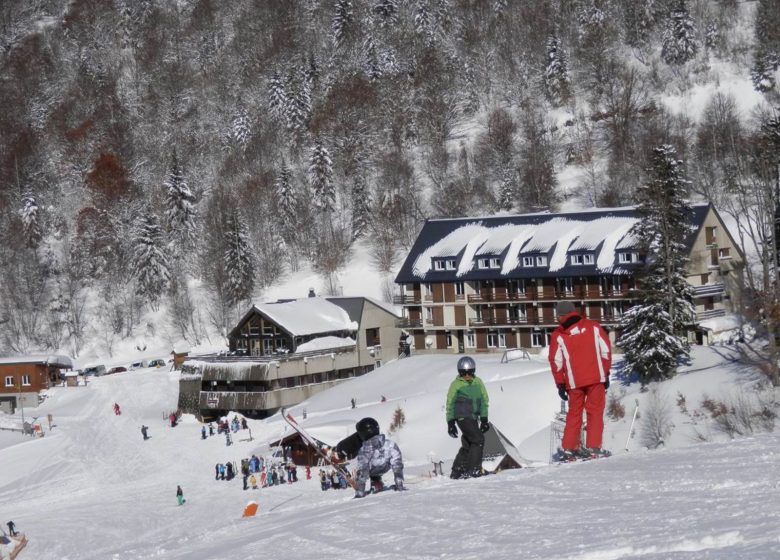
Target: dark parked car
x=117, y=369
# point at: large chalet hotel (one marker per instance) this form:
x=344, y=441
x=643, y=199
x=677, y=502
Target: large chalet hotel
x=489, y=284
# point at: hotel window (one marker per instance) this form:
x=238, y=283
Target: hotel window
x=616, y=286
x=438, y=265
x=588, y=259
x=723, y=253
x=517, y=286
x=460, y=288
x=429, y=314
x=427, y=288
x=626, y=258
x=521, y=311
x=528, y=261
x=541, y=260
x=495, y=262
x=568, y=286
x=496, y=340
x=26, y=380
x=483, y=263
x=449, y=339
x=449, y=264
x=577, y=259
x=537, y=339
x=471, y=340
x=9, y=381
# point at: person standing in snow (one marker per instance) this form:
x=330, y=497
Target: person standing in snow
x=376, y=456
x=180, y=496
x=203, y=432
x=467, y=406
x=253, y=482
x=12, y=528
x=144, y=432
x=580, y=356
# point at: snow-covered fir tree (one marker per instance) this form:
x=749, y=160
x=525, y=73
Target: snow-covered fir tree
x=557, y=82
x=321, y=177
x=653, y=331
x=277, y=95
x=241, y=128
x=149, y=261
x=286, y=202
x=298, y=109
x=342, y=19
x=766, y=56
x=386, y=12
x=762, y=73
x=507, y=190
x=239, y=263
x=679, y=44
x=361, y=206
x=31, y=227
x=180, y=211
x=370, y=60
x=638, y=21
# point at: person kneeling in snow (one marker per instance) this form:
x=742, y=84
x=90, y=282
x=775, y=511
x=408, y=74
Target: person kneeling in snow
x=376, y=456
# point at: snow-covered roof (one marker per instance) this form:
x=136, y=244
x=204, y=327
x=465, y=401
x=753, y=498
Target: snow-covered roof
x=307, y=316
x=600, y=232
x=52, y=360
x=326, y=343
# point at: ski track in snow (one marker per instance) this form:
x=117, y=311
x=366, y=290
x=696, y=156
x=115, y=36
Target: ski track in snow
x=93, y=489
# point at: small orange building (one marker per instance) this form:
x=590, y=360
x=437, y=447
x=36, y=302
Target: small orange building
x=23, y=377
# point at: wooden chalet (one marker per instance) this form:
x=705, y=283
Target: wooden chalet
x=23, y=377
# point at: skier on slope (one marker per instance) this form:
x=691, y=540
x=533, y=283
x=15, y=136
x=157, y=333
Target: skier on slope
x=580, y=357
x=377, y=456
x=180, y=496
x=467, y=402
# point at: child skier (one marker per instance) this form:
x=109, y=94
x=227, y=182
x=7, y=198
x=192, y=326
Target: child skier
x=377, y=456
x=180, y=496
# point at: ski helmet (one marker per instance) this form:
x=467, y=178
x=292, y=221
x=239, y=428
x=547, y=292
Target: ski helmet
x=367, y=428
x=466, y=366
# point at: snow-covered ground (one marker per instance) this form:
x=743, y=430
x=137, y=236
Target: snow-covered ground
x=93, y=489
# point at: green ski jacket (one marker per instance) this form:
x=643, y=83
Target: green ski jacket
x=466, y=399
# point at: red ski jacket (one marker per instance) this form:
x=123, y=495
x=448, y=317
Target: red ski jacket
x=580, y=354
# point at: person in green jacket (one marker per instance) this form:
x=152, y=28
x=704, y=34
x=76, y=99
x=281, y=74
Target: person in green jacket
x=467, y=406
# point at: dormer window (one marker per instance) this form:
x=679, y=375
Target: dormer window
x=528, y=261
x=582, y=259
x=627, y=258
x=489, y=262
x=541, y=260
x=444, y=264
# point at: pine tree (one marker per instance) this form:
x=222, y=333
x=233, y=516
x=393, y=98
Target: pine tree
x=150, y=263
x=342, y=20
x=679, y=43
x=386, y=12
x=242, y=128
x=653, y=331
x=298, y=109
x=179, y=205
x=286, y=202
x=31, y=228
x=321, y=177
x=361, y=206
x=556, y=74
x=762, y=73
x=507, y=190
x=370, y=60
x=277, y=95
x=638, y=21
x=239, y=264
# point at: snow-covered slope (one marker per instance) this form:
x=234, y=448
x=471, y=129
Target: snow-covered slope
x=93, y=489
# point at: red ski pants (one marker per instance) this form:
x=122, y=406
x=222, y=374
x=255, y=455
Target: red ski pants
x=592, y=399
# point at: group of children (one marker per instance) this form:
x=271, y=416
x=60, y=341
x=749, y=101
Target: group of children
x=333, y=479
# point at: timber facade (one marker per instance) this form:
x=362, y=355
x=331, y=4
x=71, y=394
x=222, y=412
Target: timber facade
x=23, y=377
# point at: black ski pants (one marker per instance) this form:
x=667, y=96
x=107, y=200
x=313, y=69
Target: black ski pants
x=472, y=441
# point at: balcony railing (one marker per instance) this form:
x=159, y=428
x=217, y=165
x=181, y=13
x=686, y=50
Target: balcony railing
x=406, y=300
x=709, y=290
x=407, y=323
x=491, y=321
x=710, y=314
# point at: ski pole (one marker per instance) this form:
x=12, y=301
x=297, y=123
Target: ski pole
x=631, y=428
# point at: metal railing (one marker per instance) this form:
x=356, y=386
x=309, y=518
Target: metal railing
x=709, y=290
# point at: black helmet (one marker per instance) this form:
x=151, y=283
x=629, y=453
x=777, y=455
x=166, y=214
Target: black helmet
x=367, y=428
x=466, y=366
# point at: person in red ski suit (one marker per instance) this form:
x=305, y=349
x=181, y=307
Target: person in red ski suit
x=580, y=356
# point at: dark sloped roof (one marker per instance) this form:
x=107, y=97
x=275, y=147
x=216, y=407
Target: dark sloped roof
x=602, y=233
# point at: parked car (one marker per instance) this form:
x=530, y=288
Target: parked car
x=138, y=365
x=116, y=369
x=157, y=363
x=94, y=370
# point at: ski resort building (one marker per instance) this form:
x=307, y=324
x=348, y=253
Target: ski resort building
x=284, y=352
x=491, y=284
x=23, y=377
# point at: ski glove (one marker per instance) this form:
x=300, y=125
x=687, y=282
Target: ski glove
x=562, y=392
x=606, y=383
x=452, y=429
x=484, y=425
x=399, y=484
x=360, y=493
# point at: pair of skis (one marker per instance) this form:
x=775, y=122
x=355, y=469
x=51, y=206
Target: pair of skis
x=317, y=446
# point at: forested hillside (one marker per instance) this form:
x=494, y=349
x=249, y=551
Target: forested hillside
x=177, y=157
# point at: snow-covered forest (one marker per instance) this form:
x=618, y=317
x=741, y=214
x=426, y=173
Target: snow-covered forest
x=164, y=162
